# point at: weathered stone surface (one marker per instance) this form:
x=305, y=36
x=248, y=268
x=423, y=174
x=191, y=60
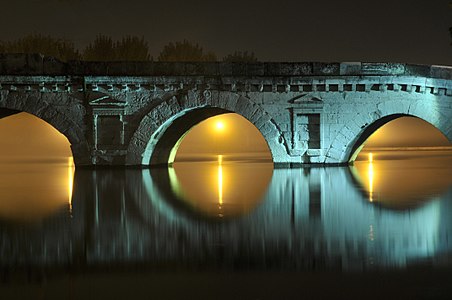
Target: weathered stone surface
x=141, y=109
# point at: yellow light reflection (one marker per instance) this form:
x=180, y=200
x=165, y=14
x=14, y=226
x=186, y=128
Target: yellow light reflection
x=403, y=179
x=208, y=183
x=219, y=189
x=33, y=190
x=36, y=169
x=371, y=177
x=70, y=179
x=222, y=134
x=219, y=125
x=220, y=180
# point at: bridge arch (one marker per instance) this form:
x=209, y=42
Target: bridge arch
x=57, y=118
x=390, y=105
x=352, y=147
x=164, y=125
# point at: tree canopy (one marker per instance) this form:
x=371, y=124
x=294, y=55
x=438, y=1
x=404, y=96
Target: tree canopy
x=185, y=51
x=129, y=48
x=47, y=45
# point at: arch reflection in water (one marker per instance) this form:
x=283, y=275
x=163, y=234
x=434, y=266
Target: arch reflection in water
x=404, y=178
x=129, y=217
x=221, y=188
x=371, y=177
x=70, y=179
x=33, y=190
x=36, y=169
x=220, y=182
x=306, y=214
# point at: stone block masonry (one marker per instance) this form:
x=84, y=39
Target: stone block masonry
x=132, y=114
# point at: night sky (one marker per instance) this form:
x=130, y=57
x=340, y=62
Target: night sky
x=284, y=30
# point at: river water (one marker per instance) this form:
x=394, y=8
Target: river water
x=391, y=210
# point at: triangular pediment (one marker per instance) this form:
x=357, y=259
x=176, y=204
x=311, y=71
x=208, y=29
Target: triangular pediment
x=305, y=99
x=105, y=100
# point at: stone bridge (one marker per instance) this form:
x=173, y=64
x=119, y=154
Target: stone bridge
x=133, y=114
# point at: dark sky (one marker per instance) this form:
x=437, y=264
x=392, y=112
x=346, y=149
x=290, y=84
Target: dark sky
x=414, y=31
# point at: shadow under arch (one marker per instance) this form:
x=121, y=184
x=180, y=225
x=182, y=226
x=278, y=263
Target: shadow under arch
x=359, y=143
x=4, y=112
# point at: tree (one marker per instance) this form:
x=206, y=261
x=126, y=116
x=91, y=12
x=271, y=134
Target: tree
x=101, y=49
x=239, y=56
x=46, y=45
x=130, y=48
x=185, y=51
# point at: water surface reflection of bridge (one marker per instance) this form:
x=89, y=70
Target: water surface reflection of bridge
x=310, y=218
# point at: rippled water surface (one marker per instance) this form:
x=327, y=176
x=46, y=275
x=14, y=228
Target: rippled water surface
x=389, y=211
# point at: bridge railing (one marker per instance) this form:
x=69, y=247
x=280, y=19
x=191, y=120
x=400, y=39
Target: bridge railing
x=37, y=64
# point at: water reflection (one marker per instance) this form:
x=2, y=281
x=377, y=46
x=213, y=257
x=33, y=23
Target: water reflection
x=34, y=189
x=403, y=179
x=371, y=177
x=307, y=218
x=221, y=188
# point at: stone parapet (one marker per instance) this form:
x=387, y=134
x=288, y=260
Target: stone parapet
x=37, y=64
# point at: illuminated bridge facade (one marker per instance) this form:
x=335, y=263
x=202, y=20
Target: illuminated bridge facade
x=134, y=113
